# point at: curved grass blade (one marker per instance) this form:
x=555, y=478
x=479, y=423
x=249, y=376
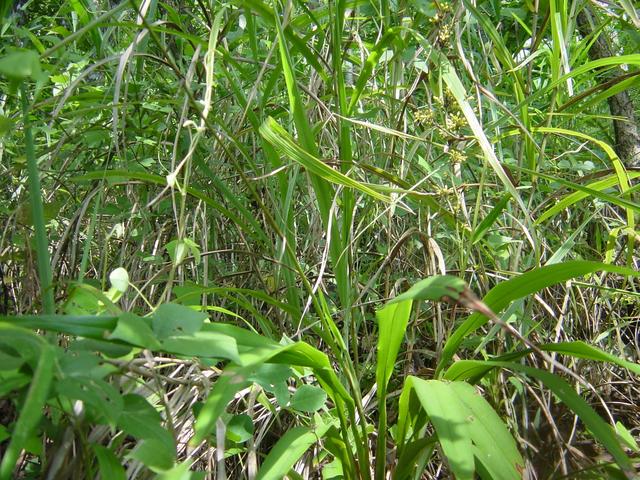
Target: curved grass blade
x=619, y=201
x=280, y=138
x=609, y=62
x=623, y=177
x=581, y=349
x=500, y=296
x=600, y=430
x=575, y=197
x=370, y=63
x=457, y=89
x=473, y=370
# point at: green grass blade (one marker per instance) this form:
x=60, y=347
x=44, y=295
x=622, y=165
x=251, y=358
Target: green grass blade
x=468, y=427
x=280, y=138
x=500, y=296
x=474, y=370
x=288, y=450
x=31, y=411
x=490, y=219
x=370, y=64
x=580, y=349
x=434, y=289
x=457, y=89
x=575, y=197
x=609, y=63
x=600, y=430
x=298, y=45
x=392, y=323
x=628, y=205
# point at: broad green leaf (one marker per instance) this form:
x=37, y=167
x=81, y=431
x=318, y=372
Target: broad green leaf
x=273, y=379
x=11, y=381
x=413, y=454
x=467, y=426
x=181, y=472
x=202, y=344
x=20, y=65
x=194, y=249
x=6, y=125
x=494, y=446
x=500, y=296
x=260, y=351
x=177, y=251
x=231, y=381
x=82, y=364
x=308, y=398
x=392, y=323
x=21, y=343
x=86, y=299
x=10, y=362
x=154, y=454
x=448, y=415
x=171, y=319
x=106, y=347
x=108, y=463
x=304, y=355
x=101, y=398
x=135, y=331
x=140, y=419
x=288, y=450
x=240, y=428
x=81, y=325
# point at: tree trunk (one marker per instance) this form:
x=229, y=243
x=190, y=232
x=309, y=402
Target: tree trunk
x=627, y=137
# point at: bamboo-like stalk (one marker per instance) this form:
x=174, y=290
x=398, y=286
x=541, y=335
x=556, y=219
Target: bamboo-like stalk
x=37, y=211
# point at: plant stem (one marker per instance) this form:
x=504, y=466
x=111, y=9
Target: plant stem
x=37, y=211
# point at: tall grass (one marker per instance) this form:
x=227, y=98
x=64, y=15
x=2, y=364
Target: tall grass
x=266, y=221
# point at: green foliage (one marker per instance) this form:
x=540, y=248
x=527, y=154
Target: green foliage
x=243, y=239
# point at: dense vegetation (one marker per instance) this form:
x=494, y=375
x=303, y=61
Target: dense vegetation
x=242, y=240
